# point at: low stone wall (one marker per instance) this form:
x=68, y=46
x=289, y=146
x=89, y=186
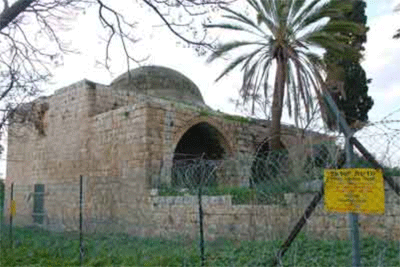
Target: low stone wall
x=111, y=204
x=222, y=219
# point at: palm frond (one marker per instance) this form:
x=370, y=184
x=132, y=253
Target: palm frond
x=297, y=21
x=239, y=61
x=263, y=17
x=297, y=5
x=266, y=70
x=241, y=18
x=228, y=26
x=231, y=66
x=223, y=49
x=285, y=32
x=283, y=10
x=329, y=9
x=270, y=10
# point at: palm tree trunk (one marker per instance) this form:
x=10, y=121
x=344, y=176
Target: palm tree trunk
x=277, y=103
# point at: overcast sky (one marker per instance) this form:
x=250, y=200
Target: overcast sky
x=382, y=59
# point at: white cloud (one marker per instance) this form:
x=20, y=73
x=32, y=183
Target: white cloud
x=381, y=48
x=382, y=58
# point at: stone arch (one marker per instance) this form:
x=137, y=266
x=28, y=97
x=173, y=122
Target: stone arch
x=200, y=149
x=222, y=136
x=266, y=163
x=202, y=138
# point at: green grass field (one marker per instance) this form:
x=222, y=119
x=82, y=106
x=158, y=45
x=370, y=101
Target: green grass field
x=35, y=247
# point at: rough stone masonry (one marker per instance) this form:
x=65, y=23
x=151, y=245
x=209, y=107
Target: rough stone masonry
x=125, y=138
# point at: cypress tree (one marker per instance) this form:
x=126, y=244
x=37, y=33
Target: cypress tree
x=346, y=79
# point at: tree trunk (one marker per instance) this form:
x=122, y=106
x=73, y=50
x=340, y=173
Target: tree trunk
x=10, y=13
x=277, y=103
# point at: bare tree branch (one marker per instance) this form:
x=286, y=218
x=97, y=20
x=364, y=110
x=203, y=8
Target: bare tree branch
x=5, y=4
x=171, y=28
x=31, y=42
x=10, y=13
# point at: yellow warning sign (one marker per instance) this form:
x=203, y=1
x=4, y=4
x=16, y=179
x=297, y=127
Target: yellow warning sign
x=354, y=190
x=13, y=208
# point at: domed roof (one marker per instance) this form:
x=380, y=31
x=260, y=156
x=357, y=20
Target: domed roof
x=159, y=82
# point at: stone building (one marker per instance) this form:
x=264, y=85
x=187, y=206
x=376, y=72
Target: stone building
x=143, y=122
x=129, y=134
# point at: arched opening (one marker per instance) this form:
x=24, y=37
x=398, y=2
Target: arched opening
x=197, y=156
x=268, y=165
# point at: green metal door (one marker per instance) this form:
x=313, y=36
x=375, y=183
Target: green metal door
x=38, y=204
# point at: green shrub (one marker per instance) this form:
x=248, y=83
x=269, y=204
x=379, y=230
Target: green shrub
x=237, y=118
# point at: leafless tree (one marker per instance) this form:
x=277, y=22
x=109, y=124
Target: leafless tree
x=31, y=42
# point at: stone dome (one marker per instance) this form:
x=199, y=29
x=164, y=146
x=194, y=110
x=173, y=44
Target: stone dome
x=160, y=82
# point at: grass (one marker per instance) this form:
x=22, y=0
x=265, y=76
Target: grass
x=237, y=118
x=36, y=247
x=240, y=195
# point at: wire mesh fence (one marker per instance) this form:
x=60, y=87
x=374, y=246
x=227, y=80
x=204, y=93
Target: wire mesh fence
x=41, y=223
x=257, y=210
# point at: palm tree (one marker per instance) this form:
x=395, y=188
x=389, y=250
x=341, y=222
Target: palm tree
x=282, y=34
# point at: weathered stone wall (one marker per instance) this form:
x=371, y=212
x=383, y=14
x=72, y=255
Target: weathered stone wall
x=24, y=203
x=35, y=157
x=126, y=143
x=222, y=219
x=93, y=130
x=112, y=204
x=61, y=205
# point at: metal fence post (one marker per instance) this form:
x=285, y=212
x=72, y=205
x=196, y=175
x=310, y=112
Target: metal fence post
x=11, y=214
x=353, y=218
x=80, y=220
x=348, y=133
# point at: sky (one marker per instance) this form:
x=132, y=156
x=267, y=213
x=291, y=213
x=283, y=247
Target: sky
x=161, y=48
x=381, y=62
x=382, y=58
